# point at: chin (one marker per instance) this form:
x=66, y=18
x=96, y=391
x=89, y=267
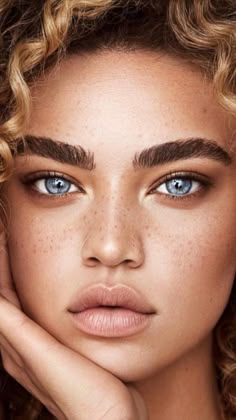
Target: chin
x=124, y=371
x=126, y=363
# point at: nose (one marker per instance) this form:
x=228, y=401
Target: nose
x=113, y=240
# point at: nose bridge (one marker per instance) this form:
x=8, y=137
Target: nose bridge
x=112, y=236
x=114, y=207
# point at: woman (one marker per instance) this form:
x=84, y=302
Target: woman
x=117, y=272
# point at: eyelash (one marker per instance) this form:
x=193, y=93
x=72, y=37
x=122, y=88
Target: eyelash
x=31, y=179
x=204, y=182
x=191, y=176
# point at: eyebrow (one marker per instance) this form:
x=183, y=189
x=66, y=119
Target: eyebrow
x=56, y=150
x=148, y=158
x=181, y=149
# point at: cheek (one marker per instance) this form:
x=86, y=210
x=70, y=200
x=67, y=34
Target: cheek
x=193, y=262
x=44, y=259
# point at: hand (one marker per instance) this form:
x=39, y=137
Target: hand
x=68, y=385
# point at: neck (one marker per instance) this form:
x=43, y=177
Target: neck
x=185, y=390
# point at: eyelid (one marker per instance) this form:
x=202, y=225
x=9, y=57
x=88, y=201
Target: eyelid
x=29, y=179
x=193, y=176
x=181, y=174
x=48, y=174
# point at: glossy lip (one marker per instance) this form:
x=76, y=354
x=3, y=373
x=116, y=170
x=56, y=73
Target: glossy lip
x=119, y=311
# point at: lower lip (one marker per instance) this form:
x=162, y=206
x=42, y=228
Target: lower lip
x=106, y=322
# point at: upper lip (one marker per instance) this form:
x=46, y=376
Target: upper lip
x=119, y=295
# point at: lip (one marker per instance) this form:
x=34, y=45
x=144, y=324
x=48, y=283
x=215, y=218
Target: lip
x=111, y=312
x=119, y=295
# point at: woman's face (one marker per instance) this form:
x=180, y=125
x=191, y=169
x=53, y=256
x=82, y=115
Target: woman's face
x=164, y=227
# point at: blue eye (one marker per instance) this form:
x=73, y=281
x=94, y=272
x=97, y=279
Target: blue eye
x=179, y=186
x=54, y=186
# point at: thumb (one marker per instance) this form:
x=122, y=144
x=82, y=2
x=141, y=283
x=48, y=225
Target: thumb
x=141, y=409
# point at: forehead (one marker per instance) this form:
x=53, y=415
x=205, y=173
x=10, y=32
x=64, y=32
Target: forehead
x=127, y=98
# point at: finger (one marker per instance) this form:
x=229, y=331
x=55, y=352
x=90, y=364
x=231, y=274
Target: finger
x=12, y=362
x=7, y=288
x=140, y=407
x=4, y=344
x=22, y=377
x=64, y=375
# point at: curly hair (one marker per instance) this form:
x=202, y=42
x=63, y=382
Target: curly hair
x=35, y=35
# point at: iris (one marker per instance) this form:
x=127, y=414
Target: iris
x=178, y=186
x=57, y=185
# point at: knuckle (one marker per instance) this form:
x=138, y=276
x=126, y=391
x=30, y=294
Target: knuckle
x=20, y=319
x=15, y=317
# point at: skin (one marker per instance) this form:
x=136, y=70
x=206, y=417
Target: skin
x=182, y=253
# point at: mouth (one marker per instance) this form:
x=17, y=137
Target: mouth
x=106, y=321
x=116, y=312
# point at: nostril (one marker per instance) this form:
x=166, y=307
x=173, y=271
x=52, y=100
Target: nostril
x=94, y=259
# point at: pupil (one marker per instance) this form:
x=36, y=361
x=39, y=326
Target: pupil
x=178, y=185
